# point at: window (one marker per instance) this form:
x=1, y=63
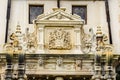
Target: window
x=34, y=11
x=81, y=11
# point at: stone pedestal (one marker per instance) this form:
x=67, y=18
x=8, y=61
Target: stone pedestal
x=109, y=72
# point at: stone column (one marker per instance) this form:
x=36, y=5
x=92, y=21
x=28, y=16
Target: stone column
x=97, y=66
x=109, y=75
x=115, y=25
x=40, y=35
x=77, y=40
x=97, y=72
x=109, y=68
x=2, y=73
x=2, y=77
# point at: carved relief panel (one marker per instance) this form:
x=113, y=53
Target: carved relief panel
x=58, y=38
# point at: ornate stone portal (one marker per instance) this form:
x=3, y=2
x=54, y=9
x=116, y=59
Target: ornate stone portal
x=60, y=37
x=59, y=46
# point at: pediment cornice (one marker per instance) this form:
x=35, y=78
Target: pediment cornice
x=59, y=15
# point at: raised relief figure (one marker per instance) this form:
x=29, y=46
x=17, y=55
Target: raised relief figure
x=59, y=39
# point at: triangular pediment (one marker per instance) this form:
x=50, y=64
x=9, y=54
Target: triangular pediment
x=59, y=14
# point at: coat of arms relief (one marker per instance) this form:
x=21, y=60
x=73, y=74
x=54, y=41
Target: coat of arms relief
x=59, y=39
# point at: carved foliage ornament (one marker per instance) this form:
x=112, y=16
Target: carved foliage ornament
x=59, y=39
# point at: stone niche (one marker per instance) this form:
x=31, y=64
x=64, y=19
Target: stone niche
x=59, y=33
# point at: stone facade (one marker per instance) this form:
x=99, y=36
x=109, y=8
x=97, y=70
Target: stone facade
x=59, y=45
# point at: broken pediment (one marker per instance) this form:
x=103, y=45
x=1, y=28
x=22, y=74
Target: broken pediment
x=59, y=15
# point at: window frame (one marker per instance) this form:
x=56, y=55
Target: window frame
x=37, y=5
x=85, y=11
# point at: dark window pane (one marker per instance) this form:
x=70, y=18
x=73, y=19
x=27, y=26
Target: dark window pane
x=81, y=11
x=34, y=11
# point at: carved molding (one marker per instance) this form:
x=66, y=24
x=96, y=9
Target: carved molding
x=58, y=14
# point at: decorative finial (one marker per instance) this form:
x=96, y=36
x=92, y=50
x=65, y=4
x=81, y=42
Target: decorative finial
x=18, y=29
x=99, y=32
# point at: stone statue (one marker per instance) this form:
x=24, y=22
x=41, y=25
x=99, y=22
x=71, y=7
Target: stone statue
x=89, y=41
